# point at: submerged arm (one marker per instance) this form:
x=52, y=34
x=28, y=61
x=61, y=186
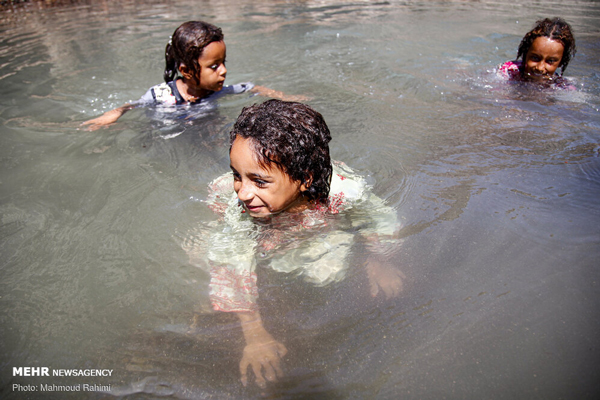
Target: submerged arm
x=108, y=117
x=233, y=285
x=262, y=352
x=266, y=92
x=234, y=290
x=383, y=244
x=382, y=273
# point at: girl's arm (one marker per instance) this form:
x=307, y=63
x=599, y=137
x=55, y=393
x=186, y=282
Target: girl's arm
x=233, y=282
x=234, y=290
x=262, y=352
x=383, y=275
x=266, y=92
x=108, y=117
x=383, y=244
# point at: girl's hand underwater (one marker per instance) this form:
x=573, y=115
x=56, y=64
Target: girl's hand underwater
x=262, y=352
x=265, y=359
x=384, y=277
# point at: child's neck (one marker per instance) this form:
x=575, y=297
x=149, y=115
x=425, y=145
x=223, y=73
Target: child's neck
x=302, y=203
x=189, y=91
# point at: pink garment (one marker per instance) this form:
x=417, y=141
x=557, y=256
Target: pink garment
x=511, y=70
x=232, y=290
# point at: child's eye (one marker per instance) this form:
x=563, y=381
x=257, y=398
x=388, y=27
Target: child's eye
x=260, y=183
x=236, y=177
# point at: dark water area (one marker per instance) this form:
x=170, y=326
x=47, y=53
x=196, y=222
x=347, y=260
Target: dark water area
x=496, y=185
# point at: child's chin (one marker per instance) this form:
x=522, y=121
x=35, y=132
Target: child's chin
x=261, y=217
x=538, y=78
x=258, y=214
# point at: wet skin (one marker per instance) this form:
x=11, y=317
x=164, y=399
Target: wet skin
x=263, y=191
x=542, y=59
x=211, y=77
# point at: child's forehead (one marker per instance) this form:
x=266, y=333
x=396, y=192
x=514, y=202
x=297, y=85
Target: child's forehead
x=253, y=149
x=214, y=50
x=546, y=43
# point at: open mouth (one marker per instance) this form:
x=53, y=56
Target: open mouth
x=539, y=77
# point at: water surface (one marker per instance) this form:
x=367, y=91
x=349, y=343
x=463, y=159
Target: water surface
x=497, y=187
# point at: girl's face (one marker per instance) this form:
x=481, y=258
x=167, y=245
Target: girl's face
x=542, y=59
x=264, y=191
x=212, y=67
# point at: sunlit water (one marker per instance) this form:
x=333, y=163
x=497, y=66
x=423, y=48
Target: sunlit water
x=497, y=186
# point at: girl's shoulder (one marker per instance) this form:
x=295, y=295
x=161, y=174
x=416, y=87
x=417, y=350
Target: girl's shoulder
x=345, y=180
x=231, y=89
x=164, y=93
x=346, y=187
x=561, y=82
x=510, y=69
x=220, y=192
x=237, y=88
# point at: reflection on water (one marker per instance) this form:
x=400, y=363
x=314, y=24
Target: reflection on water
x=496, y=185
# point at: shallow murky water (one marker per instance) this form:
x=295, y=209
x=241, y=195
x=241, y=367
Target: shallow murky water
x=497, y=187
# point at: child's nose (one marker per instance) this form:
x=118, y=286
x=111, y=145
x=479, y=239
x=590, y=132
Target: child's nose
x=245, y=193
x=540, y=68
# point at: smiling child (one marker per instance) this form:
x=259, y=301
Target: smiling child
x=548, y=46
x=286, y=206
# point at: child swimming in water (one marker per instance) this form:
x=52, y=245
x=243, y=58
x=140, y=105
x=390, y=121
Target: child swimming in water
x=195, y=71
x=548, y=46
x=285, y=205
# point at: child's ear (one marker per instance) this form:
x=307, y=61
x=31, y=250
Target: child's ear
x=185, y=71
x=306, y=184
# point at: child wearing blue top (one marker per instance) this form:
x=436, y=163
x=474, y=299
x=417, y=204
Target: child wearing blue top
x=195, y=71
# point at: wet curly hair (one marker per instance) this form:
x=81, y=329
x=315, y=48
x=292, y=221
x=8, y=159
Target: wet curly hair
x=294, y=137
x=186, y=46
x=555, y=29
